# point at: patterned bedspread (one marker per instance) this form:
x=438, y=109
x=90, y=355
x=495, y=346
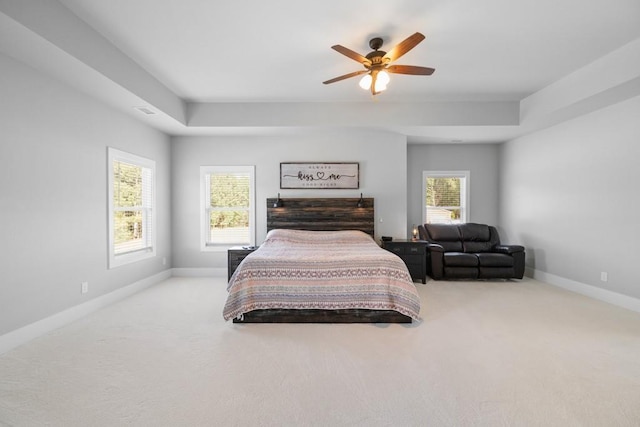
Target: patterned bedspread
x=328, y=270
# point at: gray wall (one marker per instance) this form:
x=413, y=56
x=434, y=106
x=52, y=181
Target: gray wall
x=569, y=194
x=482, y=160
x=383, y=175
x=53, y=206
x=566, y=193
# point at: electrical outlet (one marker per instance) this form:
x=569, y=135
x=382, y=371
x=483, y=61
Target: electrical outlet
x=164, y=261
x=85, y=287
x=604, y=276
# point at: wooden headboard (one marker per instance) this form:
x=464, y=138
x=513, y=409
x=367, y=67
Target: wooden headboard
x=322, y=214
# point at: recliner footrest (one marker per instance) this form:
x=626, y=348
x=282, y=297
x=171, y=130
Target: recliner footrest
x=489, y=259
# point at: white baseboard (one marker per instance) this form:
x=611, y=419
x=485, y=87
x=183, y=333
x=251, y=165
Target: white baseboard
x=199, y=272
x=29, y=332
x=605, y=295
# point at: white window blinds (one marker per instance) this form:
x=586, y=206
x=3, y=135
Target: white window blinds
x=228, y=211
x=446, y=197
x=131, y=207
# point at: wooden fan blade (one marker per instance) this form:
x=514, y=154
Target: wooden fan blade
x=345, y=76
x=410, y=69
x=405, y=46
x=351, y=54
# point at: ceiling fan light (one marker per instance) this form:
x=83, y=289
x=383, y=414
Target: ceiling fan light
x=379, y=88
x=383, y=78
x=381, y=82
x=365, y=82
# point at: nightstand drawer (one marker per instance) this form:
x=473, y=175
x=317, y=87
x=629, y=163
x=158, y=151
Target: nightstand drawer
x=413, y=259
x=404, y=248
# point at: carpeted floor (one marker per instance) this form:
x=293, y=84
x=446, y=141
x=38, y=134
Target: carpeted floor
x=518, y=353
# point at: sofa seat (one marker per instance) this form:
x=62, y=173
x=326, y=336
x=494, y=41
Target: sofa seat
x=459, y=259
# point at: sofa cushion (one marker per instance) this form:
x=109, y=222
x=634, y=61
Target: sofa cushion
x=476, y=247
x=486, y=259
x=472, y=232
x=443, y=232
x=448, y=236
x=459, y=259
x=476, y=238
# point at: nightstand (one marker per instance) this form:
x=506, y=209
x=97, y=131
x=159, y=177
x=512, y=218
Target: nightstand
x=413, y=253
x=235, y=255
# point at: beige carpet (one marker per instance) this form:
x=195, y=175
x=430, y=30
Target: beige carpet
x=518, y=353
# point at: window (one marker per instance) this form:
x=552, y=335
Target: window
x=131, y=181
x=228, y=216
x=446, y=196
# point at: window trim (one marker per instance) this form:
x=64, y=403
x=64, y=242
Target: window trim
x=117, y=260
x=204, y=219
x=465, y=212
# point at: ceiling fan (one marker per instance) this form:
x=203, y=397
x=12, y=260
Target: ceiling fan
x=377, y=63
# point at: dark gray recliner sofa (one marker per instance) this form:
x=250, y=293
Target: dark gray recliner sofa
x=470, y=251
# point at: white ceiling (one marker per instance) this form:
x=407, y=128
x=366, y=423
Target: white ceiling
x=256, y=51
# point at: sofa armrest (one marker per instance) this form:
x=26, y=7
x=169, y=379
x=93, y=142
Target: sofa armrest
x=436, y=260
x=508, y=249
x=517, y=252
x=434, y=247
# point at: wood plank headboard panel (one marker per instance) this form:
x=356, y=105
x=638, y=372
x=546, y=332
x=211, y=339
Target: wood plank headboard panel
x=322, y=214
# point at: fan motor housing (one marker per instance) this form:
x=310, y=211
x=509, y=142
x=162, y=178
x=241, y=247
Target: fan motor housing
x=376, y=57
x=375, y=43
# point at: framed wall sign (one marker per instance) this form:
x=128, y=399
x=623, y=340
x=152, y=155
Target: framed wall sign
x=319, y=175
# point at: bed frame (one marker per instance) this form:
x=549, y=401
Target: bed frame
x=322, y=214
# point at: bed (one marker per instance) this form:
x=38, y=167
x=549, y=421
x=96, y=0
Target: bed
x=321, y=270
